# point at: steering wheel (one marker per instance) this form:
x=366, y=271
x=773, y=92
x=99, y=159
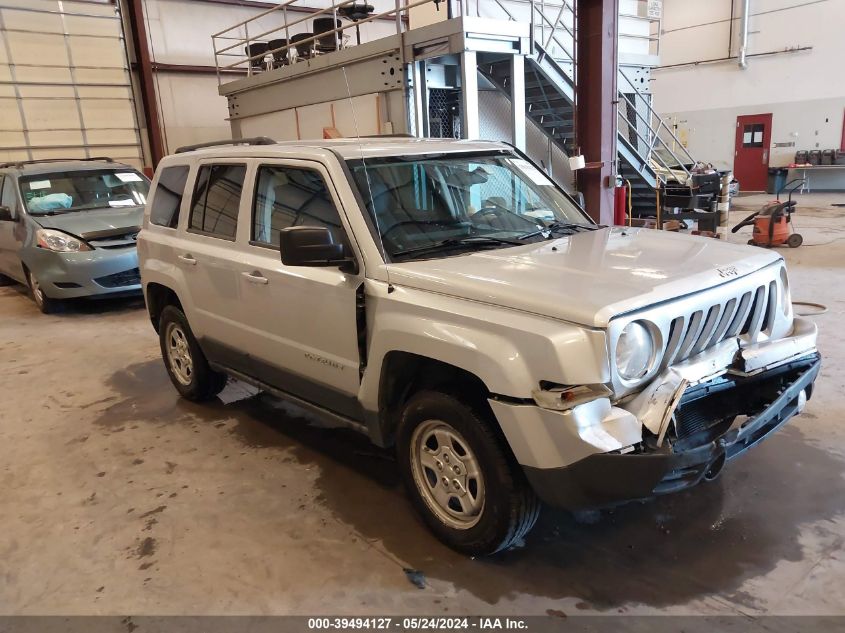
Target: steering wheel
x=392, y=227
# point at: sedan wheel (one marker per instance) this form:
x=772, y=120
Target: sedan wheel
x=44, y=303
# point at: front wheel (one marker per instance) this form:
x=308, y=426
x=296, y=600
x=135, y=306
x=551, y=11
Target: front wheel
x=460, y=476
x=186, y=365
x=44, y=303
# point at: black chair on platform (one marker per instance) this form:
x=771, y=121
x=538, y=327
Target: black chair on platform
x=354, y=13
x=257, y=51
x=306, y=50
x=282, y=57
x=330, y=42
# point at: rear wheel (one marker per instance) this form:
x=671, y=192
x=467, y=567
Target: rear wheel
x=44, y=303
x=460, y=476
x=795, y=240
x=186, y=365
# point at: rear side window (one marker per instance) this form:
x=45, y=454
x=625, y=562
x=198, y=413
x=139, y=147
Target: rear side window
x=217, y=195
x=291, y=196
x=168, y=196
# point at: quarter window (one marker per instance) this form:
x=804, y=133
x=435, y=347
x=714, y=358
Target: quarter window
x=168, y=196
x=216, y=200
x=291, y=196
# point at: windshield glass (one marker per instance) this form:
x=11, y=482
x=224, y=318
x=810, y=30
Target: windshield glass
x=447, y=204
x=68, y=191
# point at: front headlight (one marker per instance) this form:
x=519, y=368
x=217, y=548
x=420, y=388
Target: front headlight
x=634, y=351
x=59, y=242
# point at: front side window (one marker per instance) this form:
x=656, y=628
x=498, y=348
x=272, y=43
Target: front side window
x=83, y=190
x=168, y=196
x=451, y=203
x=291, y=196
x=217, y=196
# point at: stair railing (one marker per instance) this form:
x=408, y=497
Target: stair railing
x=655, y=125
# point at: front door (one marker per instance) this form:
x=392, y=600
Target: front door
x=302, y=319
x=751, y=153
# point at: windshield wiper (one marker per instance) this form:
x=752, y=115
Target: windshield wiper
x=458, y=242
x=557, y=227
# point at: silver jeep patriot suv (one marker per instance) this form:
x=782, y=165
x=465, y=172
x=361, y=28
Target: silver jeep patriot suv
x=447, y=298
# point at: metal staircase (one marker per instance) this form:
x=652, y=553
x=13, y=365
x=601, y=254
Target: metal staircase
x=649, y=152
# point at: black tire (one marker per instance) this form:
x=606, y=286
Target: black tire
x=42, y=301
x=795, y=240
x=201, y=382
x=509, y=509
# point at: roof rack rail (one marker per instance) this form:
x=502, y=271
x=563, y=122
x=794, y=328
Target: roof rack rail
x=256, y=140
x=396, y=135
x=21, y=163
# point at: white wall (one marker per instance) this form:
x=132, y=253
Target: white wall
x=805, y=91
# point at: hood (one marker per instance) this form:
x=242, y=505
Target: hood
x=590, y=277
x=94, y=223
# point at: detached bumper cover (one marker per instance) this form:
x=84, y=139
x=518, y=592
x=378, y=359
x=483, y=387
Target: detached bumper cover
x=612, y=478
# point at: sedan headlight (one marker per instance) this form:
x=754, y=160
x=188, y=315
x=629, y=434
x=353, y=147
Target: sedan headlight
x=634, y=351
x=59, y=242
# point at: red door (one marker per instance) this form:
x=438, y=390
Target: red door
x=751, y=154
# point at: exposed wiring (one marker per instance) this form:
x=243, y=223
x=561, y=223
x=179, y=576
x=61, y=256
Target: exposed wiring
x=822, y=308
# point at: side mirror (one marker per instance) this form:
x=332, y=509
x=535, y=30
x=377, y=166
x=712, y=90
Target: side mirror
x=6, y=214
x=313, y=246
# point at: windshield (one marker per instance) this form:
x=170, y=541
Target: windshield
x=437, y=206
x=83, y=190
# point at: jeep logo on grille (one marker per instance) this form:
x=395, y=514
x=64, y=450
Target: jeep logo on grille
x=728, y=271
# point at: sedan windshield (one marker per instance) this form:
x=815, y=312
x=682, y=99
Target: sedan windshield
x=83, y=190
x=437, y=206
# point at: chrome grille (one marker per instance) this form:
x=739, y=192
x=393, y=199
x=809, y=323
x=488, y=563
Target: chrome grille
x=748, y=316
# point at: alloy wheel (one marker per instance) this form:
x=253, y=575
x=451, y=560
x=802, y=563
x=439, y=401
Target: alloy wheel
x=179, y=354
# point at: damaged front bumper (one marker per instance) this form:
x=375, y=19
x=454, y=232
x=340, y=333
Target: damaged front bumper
x=691, y=419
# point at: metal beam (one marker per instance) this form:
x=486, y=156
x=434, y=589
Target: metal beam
x=597, y=58
x=518, y=101
x=470, y=125
x=148, y=90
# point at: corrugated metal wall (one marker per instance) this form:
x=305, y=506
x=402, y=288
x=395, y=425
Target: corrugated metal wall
x=65, y=88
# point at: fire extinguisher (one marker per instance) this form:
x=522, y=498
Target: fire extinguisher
x=620, y=200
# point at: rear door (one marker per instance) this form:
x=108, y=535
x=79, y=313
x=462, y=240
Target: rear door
x=207, y=256
x=751, y=152
x=299, y=322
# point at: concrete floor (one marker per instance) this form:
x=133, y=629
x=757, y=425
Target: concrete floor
x=117, y=497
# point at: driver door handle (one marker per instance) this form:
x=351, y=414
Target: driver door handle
x=188, y=259
x=256, y=277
